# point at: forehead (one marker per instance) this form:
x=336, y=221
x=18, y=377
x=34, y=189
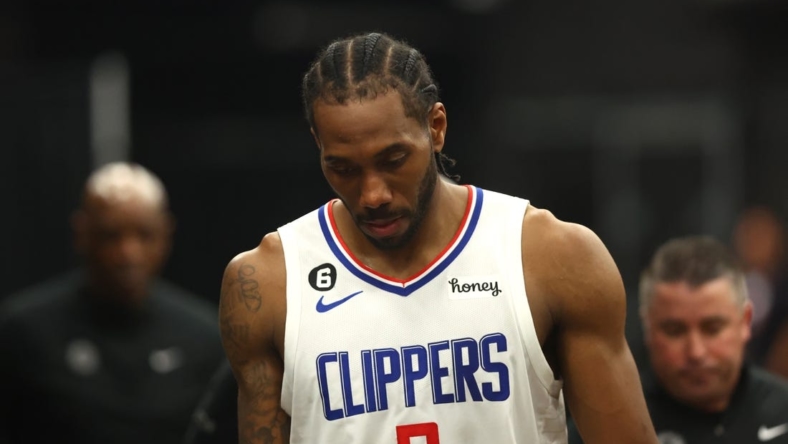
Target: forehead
x=129, y=210
x=381, y=120
x=681, y=301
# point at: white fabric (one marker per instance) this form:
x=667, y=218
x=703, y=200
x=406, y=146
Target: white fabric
x=449, y=355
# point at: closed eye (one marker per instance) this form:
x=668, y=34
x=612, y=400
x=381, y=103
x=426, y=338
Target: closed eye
x=340, y=168
x=673, y=329
x=395, y=161
x=714, y=326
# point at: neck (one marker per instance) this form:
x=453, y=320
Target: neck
x=718, y=404
x=715, y=406
x=114, y=296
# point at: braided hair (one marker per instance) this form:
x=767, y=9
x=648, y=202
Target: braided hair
x=363, y=66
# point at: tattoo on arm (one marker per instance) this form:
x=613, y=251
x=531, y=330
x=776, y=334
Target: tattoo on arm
x=261, y=419
x=235, y=335
x=278, y=431
x=256, y=363
x=248, y=288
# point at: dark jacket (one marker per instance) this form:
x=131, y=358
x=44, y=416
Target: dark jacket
x=757, y=414
x=78, y=370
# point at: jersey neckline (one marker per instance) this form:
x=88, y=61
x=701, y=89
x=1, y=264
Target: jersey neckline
x=403, y=287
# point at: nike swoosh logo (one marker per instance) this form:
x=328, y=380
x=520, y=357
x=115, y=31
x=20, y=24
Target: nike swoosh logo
x=769, y=433
x=322, y=308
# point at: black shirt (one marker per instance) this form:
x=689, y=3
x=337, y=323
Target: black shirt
x=75, y=370
x=216, y=419
x=758, y=413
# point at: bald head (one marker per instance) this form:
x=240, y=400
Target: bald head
x=121, y=182
x=123, y=231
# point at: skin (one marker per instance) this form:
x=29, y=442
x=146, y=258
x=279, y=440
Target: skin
x=759, y=240
x=777, y=360
x=696, y=339
x=124, y=244
x=376, y=159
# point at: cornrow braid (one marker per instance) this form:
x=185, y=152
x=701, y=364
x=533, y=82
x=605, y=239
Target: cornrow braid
x=370, y=43
x=328, y=69
x=366, y=65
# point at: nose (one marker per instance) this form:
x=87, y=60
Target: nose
x=375, y=191
x=131, y=251
x=696, y=347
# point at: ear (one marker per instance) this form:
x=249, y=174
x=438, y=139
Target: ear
x=747, y=321
x=646, y=326
x=436, y=120
x=314, y=136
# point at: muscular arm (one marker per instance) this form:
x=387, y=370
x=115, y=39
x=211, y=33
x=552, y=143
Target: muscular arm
x=251, y=317
x=581, y=303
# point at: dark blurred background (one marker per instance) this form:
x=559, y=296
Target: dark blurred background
x=642, y=120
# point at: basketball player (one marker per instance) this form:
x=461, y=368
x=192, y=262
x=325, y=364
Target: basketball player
x=398, y=312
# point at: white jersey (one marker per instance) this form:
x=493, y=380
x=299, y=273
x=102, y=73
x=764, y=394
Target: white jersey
x=449, y=355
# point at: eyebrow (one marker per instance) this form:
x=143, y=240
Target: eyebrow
x=387, y=151
x=677, y=322
x=671, y=322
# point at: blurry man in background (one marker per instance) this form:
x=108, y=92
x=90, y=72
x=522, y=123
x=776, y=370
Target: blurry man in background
x=777, y=359
x=108, y=354
x=759, y=241
x=696, y=316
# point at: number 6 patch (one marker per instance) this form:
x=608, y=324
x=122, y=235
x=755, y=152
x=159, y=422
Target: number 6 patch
x=323, y=277
x=428, y=430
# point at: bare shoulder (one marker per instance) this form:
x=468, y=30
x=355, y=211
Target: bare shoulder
x=252, y=303
x=263, y=265
x=572, y=265
x=565, y=240
x=267, y=253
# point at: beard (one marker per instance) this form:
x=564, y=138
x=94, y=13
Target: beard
x=416, y=216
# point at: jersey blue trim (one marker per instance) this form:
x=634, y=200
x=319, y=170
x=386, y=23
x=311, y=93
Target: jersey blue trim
x=408, y=289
